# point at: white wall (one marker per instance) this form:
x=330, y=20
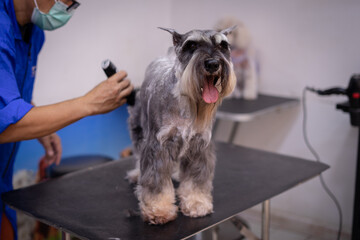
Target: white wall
x=300, y=43
x=123, y=31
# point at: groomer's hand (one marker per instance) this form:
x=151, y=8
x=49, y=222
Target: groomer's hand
x=109, y=94
x=53, y=148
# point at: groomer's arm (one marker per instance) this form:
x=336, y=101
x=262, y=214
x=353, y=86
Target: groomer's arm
x=41, y=121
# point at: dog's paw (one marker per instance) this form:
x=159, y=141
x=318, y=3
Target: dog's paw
x=133, y=175
x=196, y=205
x=159, y=214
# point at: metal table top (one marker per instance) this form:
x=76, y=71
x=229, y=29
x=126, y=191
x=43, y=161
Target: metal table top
x=241, y=110
x=93, y=203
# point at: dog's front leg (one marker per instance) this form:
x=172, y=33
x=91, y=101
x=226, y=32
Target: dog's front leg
x=155, y=190
x=196, y=175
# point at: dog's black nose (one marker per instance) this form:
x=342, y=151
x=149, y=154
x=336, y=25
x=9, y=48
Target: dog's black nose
x=211, y=65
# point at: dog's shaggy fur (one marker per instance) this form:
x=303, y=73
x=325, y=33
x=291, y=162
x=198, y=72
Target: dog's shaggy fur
x=171, y=124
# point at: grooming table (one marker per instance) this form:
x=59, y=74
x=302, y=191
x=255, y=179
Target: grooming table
x=240, y=110
x=94, y=203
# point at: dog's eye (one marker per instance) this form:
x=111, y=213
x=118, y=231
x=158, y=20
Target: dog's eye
x=190, y=46
x=224, y=45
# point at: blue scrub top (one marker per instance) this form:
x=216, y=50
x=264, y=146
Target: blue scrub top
x=17, y=73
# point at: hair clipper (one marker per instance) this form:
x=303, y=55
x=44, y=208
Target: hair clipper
x=110, y=69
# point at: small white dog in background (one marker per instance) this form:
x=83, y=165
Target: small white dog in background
x=244, y=59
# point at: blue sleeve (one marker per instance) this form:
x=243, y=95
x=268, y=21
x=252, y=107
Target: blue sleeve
x=12, y=106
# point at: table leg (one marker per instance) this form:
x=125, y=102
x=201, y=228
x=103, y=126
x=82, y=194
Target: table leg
x=215, y=126
x=265, y=227
x=241, y=224
x=199, y=236
x=65, y=236
x=215, y=233
x=233, y=132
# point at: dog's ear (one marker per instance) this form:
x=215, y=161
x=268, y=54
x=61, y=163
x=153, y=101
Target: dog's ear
x=228, y=30
x=176, y=36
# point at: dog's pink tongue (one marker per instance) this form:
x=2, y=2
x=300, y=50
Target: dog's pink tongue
x=210, y=93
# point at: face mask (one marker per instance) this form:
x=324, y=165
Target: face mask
x=55, y=18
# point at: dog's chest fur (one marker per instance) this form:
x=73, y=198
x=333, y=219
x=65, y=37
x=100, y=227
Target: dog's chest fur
x=178, y=128
x=182, y=134
x=169, y=113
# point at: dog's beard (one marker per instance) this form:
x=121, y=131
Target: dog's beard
x=205, y=91
x=189, y=84
x=198, y=85
x=228, y=86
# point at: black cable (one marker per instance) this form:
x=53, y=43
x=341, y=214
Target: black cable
x=330, y=91
x=316, y=155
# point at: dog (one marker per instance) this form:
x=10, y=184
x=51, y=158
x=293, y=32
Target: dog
x=171, y=122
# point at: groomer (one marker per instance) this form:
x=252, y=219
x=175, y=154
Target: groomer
x=21, y=37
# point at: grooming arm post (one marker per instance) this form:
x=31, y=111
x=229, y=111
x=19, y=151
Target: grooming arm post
x=265, y=227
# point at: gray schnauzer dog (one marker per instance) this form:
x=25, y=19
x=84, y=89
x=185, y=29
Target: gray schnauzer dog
x=171, y=124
